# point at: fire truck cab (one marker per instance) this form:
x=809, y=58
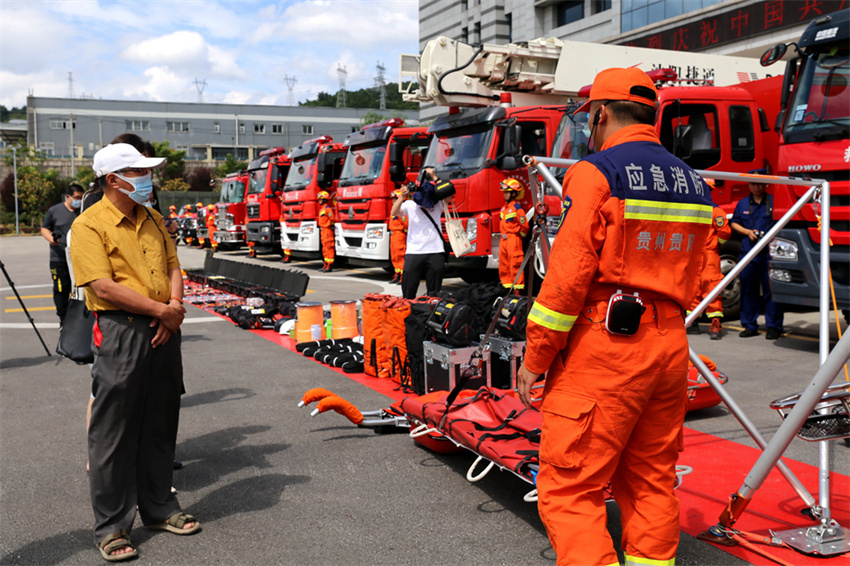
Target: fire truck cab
x=265, y=185
x=230, y=222
x=315, y=166
x=381, y=158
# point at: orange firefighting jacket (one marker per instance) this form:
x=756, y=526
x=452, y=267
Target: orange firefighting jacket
x=632, y=213
x=512, y=219
x=326, y=216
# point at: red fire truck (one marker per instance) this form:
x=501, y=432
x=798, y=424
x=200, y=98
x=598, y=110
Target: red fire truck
x=381, y=157
x=230, y=211
x=315, y=166
x=262, y=203
x=815, y=143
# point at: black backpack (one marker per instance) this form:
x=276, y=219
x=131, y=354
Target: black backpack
x=453, y=323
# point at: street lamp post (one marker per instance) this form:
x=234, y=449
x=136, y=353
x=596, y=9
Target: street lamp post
x=15, y=173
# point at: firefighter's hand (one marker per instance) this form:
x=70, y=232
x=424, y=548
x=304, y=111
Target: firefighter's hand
x=752, y=236
x=524, y=380
x=162, y=334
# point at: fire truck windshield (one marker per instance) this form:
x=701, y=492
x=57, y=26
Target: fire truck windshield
x=362, y=165
x=570, y=140
x=258, y=181
x=820, y=107
x=300, y=174
x=232, y=191
x=460, y=153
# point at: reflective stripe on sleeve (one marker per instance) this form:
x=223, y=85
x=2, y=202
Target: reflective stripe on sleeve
x=632, y=560
x=550, y=319
x=668, y=211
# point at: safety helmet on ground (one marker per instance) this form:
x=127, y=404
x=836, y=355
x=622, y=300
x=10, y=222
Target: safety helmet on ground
x=512, y=185
x=323, y=195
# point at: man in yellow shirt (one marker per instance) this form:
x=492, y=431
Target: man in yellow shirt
x=123, y=257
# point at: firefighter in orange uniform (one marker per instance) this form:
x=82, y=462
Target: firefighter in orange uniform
x=201, y=215
x=189, y=214
x=514, y=227
x=210, y=220
x=634, y=228
x=326, y=227
x=398, y=242
x=172, y=211
x=712, y=275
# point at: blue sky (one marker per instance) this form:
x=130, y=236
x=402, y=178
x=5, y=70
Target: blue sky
x=154, y=50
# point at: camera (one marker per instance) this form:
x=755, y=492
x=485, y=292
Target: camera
x=412, y=186
x=758, y=234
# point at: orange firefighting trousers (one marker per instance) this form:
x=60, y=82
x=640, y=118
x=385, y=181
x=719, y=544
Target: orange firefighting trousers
x=398, y=246
x=510, y=260
x=612, y=415
x=327, y=235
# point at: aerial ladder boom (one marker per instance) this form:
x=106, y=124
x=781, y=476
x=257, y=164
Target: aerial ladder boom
x=540, y=71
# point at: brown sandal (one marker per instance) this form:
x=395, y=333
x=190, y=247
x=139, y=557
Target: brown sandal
x=176, y=523
x=117, y=541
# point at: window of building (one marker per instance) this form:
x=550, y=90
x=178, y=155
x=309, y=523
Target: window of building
x=259, y=128
x=597, y=6
x=216, y=128
x=137, y=125
x=639, y=13
x=464, y=5
x=62, y=124
x=307, y=129
x=476, y=33
x=569, y=12
x=177, y=126
x=241, y=128
x=464, y=35
x=509, y=20
x=180, y=147
x=46, y=147
x=277, y=128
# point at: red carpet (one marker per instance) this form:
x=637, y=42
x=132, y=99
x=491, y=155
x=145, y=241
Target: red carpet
x=720, y=467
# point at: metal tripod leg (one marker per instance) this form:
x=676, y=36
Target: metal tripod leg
x=23, y=306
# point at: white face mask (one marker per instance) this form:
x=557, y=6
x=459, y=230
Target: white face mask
x=143, y=187
x=76, y=203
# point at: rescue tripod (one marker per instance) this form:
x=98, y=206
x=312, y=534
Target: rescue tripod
x=23, y=306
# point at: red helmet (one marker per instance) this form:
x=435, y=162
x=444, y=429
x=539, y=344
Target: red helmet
x=323, y=195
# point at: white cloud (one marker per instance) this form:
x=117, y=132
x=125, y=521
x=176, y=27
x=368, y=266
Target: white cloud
x=162, y=85
x=186, y=52
x=15, y=86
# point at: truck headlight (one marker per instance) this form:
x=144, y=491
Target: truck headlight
x=782, y=250
x=374, y=234
x=472, y=229
x=781, y=275
x=229, y=223
x=307, y=230
x=265, y=229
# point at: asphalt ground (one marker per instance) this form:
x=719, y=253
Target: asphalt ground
x=270, y=484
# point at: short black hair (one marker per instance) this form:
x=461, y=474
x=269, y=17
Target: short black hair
x=629, y=112
x=74, y=188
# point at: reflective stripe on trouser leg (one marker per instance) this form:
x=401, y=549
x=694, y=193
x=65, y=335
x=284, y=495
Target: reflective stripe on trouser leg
x=635, y=560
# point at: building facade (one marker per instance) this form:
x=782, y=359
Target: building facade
x=744, y=28
x=62, y=127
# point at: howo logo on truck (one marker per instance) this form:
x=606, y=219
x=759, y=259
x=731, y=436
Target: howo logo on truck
x=804, y=168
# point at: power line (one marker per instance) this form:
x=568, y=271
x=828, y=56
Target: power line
x=290, y=84
x=200, y=85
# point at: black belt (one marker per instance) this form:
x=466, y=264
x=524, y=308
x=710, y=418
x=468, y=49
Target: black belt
x=122, y=314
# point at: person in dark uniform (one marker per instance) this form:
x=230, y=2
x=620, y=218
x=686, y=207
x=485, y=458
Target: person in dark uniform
x=753, y=217
x=55, y=227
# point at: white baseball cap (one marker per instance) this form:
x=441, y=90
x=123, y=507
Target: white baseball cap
x=119, y=156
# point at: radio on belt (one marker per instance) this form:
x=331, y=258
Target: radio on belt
x=624, y=313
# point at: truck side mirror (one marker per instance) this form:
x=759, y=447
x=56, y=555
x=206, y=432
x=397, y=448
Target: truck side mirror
x=773, y=54
x=397, y=174
x=683, y=141
x=395, y=152
x=508, y=163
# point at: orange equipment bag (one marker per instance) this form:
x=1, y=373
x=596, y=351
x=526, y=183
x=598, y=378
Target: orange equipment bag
x=372, y=320
x=395, y=311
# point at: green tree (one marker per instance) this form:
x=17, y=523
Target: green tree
x=174, y=162
x=9, y=114
x=230, y=165
x=36, y=191
x=175, y=185
x=366, y=98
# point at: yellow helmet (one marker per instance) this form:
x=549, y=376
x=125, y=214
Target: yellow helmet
x=172, y=207
x=323, y=195
x=512, y=184
x=199, y=205
x=211, y=207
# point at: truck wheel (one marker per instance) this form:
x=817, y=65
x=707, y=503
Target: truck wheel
x=471, y=276
x=729, y=256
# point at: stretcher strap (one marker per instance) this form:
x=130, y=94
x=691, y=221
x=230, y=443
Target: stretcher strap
x=740, y=538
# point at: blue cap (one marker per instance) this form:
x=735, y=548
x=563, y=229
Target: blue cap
x=758, y=172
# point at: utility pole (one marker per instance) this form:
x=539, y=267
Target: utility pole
x=15, y=173
x=381, y=86
x=290, y=84
x=340, y=96
x=73, y=149
x=70, y=84
x=200, y=86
